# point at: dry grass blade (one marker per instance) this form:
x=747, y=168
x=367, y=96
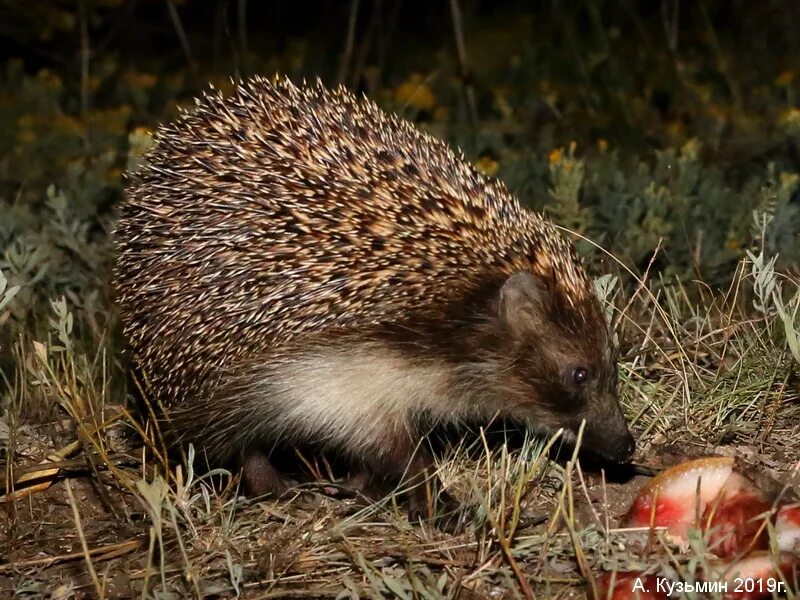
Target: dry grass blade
x=97, y=554
x=99, y=588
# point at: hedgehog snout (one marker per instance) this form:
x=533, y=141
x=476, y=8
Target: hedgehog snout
x=606, y=432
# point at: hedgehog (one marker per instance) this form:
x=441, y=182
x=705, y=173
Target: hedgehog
x=296, y=266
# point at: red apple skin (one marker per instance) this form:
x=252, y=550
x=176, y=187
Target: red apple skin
x=736, y=524
x=733, y=514
x=665, y=514
x=787, y=527
x=677, y=496
x=757, y=567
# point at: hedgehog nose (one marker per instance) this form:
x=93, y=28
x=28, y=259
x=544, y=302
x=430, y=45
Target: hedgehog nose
x=622, y=449
x=614, y=444
x=620, y=445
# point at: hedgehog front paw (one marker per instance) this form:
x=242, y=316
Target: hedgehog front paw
x=448, y=514
x=260, y=478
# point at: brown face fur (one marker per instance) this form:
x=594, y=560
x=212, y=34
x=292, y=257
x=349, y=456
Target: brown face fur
x=561, y=366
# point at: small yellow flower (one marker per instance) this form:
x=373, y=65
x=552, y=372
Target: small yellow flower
x=49, y=79
x=140, y=80
x=791, y=117
x=554, y=156
x=717, y=111
x=501, y=102
x=66, y=125
x=704, y=93
x=675, y=128
x=114, y=175
x=26, y=137
x=111, y=120
x=140, y=140
x=93, y=83
x=487, y=165
x=733, y=244
x=414, y=92
x=785, y=78
x=602, y=145
x=789, y=180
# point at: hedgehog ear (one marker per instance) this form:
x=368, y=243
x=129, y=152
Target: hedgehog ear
x=523, y=299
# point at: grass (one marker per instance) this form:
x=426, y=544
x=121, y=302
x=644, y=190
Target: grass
x=93, y=509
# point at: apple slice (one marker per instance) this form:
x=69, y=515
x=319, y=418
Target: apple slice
x=787, y=528
x=677, y=496
x=760, y=575
x=736, y=519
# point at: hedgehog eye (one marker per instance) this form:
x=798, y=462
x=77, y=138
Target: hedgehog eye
x=580, y=375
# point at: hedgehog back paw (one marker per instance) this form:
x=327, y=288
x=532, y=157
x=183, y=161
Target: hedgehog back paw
x=260, y=478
